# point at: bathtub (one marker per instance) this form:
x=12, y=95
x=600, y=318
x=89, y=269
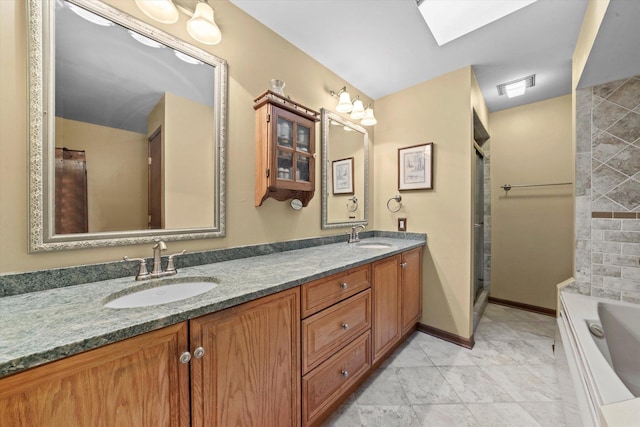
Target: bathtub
x=597, y=373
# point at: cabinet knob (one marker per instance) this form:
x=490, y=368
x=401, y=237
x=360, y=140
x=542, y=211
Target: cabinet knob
x=403, y=265
x=198, y=353
x=345, y=326
x=345, y=373
x=344, y=285
x=185, y=357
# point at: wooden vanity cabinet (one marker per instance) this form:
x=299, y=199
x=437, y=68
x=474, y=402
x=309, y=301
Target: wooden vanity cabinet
x=387, y=330
x=135, y=382
x=287, y=359
x=336, y=340
x=249, y=374
x=285, y=149
x=411, y=289
x=397, y=300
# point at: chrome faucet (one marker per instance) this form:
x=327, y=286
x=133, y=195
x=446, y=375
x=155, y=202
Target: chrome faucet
x=158, y=248
x=354, y=235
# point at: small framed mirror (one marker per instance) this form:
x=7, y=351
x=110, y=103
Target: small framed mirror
x=127, y=130
x=345, y=172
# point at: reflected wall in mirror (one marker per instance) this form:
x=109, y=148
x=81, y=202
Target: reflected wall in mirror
x=345, y=172
x=127, y=130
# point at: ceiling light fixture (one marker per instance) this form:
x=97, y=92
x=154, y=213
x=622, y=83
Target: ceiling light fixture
x=202, y=26
x=516, y=87
x=354, y=106
x=449, y=20
x=163, y=11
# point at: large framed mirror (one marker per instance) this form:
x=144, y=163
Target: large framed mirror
x=127, y=130
x=345, y=172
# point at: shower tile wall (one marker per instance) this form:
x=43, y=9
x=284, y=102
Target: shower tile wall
x=608, y=190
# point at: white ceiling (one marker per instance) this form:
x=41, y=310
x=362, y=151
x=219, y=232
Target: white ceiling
x=383, y=46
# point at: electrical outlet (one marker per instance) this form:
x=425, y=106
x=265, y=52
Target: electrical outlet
x=402, y=224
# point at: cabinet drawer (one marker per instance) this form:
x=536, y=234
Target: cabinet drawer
x=329, y=381
x=325, y=332
x=328, y=291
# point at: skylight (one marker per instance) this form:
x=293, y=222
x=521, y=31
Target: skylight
x=450, y=19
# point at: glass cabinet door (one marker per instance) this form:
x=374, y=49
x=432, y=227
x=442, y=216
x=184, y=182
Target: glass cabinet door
x=285, y=132
x=285, y=164
x=303, y=169
x=303, y=138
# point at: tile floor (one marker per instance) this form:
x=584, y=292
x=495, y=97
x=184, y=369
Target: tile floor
x=508, y=379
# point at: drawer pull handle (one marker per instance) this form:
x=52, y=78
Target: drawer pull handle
x=185, y=357
x=403, y=265
x=344, y=285
x=345, y=373
x=345, y=326
x=198, y=353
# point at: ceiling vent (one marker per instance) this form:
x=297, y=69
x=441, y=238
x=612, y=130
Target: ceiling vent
x=529, y=81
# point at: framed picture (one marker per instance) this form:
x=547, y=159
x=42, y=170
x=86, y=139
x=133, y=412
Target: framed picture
x=343, y=176
x=415, y=167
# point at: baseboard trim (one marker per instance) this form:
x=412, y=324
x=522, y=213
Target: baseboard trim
x=528, y=307
x=447, y=336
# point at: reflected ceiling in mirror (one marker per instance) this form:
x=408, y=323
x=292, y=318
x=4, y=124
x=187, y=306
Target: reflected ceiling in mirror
x=127, y=140
x=345, y=172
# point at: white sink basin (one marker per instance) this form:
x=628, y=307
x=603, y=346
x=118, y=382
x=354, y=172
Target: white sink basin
x=374, y=245
x=162, y=293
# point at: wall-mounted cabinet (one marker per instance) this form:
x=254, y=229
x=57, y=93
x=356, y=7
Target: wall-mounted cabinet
x=285, y=149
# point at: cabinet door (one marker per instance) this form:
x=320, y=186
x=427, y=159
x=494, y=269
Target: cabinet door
x=386, y=305
x=250, y=372
x=293, y=163
x=411, y=289
x=135, y=382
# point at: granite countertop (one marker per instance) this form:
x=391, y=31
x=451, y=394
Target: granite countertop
x=43, y=326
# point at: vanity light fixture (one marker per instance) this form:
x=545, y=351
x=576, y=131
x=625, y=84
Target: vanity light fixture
x=354, y=106
x=516, y=87
x=186, y=58
x=358, y=110
x=344, y=100
x=163, y=11
x=145, y=40
x=89, y=16
x=201, y=26
x=368, y=119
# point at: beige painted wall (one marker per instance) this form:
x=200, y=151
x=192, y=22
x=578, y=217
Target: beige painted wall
x=188, y=163
x=116, y=173
x=434, y=111
x=255, y=55
x=532, y=228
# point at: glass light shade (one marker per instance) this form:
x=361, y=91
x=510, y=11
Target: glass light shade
x=344, y=104
x=358, y=110
x=368, y=119
x=89, y=16
x=163, y=11
x=516, y=89
x=202, y=26
x=145, y=40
